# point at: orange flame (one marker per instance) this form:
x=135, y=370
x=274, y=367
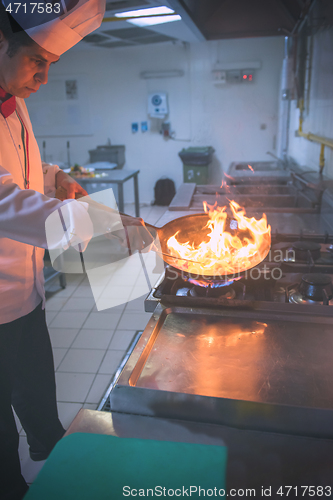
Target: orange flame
x=225, y=185
x=251, y=168
x=235, y=243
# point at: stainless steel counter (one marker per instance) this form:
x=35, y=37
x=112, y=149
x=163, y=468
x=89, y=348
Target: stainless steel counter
x=263, y=368
x=255, y=459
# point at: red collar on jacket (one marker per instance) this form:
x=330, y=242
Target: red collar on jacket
x=8, y=105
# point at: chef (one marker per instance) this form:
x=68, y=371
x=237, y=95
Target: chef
x=30, y=42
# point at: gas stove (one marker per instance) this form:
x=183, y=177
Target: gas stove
x=249, y=353
x=297, y=270
x=253, y=351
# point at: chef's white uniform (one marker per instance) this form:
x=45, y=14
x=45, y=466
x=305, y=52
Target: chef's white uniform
x=27, y=379
x=23, y=213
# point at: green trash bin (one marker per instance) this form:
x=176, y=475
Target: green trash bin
x=196, y=173
x=196, y=163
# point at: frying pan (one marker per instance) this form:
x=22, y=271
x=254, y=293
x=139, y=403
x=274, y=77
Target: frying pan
x=192, y=228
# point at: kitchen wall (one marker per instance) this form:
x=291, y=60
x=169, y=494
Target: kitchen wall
x=238, y=120
x=318, y=118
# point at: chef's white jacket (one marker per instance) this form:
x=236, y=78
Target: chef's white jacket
x=23, y=213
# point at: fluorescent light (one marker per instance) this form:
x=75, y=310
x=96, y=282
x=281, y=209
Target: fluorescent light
x=163, y=15
x=152, y=11
x=151, y=21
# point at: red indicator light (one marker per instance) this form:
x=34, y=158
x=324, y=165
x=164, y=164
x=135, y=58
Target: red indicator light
x=245, y=77
x=250, y=77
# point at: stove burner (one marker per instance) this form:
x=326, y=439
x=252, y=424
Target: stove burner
x=314, y=288
x=227, y=293
x=305, y=249
x=210, y=283
x=198, y=291
x=194, y=279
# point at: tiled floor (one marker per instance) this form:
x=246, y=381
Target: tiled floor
x=88, y=345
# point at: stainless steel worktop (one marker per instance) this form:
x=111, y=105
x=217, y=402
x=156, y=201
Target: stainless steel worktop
x=255, y=459
x=265, y=367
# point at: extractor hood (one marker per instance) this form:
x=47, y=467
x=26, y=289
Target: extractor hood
x=222, y=19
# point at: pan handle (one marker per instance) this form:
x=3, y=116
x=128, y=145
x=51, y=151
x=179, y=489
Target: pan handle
x=152, y=230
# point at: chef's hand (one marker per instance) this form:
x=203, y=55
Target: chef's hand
x=74, y=190
x=127, y=231
x=134, y=234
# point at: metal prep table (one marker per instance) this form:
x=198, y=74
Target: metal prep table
x=118, y=177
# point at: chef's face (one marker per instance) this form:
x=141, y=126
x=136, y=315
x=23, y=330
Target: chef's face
x=24, y=72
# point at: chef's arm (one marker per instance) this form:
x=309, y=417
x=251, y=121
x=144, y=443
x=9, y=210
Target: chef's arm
x=23, y=213
x=106, y=221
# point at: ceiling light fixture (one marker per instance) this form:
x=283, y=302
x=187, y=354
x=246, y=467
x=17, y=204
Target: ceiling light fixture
x=149, y=17
x=151, y=11
x=151, y=21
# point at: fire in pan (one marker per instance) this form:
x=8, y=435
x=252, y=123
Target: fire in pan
x=215, y=245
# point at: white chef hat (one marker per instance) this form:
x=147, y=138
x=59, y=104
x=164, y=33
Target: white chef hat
x=57, y=25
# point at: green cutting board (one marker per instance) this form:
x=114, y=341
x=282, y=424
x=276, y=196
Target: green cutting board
x=94, y=466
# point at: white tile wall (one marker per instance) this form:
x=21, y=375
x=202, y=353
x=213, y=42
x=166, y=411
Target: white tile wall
x=239, y=121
